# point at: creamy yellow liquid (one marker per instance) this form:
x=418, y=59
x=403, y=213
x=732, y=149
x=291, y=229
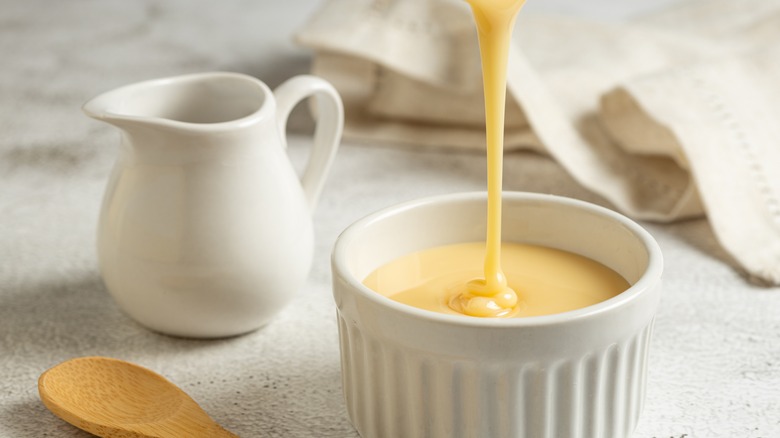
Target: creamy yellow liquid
x=468, y=278
x=490, y=295
x=548, y=280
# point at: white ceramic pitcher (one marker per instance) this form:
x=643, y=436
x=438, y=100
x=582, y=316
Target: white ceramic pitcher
x=205, y=229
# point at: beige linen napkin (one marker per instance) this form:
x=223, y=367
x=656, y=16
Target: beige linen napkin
x=670, y=116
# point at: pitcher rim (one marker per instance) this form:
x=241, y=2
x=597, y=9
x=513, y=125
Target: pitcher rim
x=97, y=108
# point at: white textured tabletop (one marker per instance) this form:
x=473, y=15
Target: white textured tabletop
x=715, y=357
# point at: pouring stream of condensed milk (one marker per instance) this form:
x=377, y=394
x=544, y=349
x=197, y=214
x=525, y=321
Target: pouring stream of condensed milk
x=495, y=19
x=448, y=279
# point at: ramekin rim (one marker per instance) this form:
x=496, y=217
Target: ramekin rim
x=648, y=279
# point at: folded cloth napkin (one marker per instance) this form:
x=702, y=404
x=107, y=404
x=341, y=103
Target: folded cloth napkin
x=668, y=116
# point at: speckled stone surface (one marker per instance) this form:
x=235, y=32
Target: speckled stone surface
x=715, y=357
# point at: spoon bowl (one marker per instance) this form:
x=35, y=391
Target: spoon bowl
x=113, y=398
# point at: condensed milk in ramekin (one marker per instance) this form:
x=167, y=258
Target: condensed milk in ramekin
x=409, y=372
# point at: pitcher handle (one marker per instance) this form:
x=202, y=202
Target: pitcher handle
x=327, y=134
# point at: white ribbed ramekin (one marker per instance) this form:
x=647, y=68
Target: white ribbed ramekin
x=411, y=373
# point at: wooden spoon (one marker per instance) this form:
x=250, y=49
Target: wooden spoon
x=113, y=398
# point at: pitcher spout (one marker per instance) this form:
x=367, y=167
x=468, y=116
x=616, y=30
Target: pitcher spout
x=116, y=107
x=99, y=107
